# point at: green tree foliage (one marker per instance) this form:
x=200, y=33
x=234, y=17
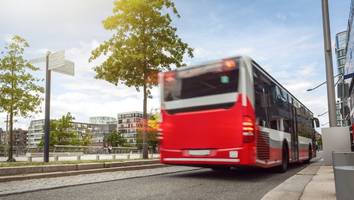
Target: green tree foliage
x=62, y=132
x=143, y=43
x=115, y=139
x=19, y=89
x=152, y=132
x=86, y=138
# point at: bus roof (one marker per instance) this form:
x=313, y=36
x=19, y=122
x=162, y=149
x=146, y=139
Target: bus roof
x=254, y=62
x=280, y=85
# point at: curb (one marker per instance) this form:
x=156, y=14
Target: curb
x=6, y=171
x=86, y=168
x=293, y=187
x=105, y=181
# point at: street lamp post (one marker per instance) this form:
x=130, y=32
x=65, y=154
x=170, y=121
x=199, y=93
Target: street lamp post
x=320, y=115
x=324, y=82
x=329, y=65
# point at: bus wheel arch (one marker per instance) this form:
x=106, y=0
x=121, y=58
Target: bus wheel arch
x=283, y=167
x=309, y=154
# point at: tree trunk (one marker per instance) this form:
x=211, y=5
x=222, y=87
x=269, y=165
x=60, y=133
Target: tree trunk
x=11, y=159
x=145, y=144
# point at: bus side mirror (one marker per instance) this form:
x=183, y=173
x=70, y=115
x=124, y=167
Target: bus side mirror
x=317, y=122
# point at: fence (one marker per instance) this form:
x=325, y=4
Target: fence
x=21, y=150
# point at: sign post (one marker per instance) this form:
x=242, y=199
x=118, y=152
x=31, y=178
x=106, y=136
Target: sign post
x=47, y=110
x=54, y=62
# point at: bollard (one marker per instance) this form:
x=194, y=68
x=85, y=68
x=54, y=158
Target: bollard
x=56, y=158
x=78, y=157
x=113, y=156
x=29, y=159
x=97, y=157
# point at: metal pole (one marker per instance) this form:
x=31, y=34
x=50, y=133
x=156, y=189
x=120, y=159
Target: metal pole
x=47, y=111
x=344, y=123
x=329, y=65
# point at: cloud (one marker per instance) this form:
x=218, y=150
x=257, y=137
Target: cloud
x=85, y=96
x=291, y=52
x=281, y=16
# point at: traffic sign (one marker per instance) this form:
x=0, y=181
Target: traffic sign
x=57, y=63
x=37, y=60
x=67, y=68
x=56, y=60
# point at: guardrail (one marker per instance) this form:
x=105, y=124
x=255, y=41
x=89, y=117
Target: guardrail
x=94, y=149
x=72, y=151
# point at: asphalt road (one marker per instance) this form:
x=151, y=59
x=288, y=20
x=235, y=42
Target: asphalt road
x=198, y=184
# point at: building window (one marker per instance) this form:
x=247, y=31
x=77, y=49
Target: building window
x=341, y=61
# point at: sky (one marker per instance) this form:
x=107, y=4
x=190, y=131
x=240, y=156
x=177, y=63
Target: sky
x=284, y=37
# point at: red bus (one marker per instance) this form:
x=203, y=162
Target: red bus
x=232, y=113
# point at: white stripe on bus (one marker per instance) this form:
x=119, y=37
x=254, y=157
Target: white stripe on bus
x=268, y=162
x=203, y=159
x=202, y=101
x=277, y=135
x=303, y=140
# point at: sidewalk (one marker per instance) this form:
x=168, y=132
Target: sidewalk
x=56, y=170
x=321, y=185
x=312, y=183
x=31, y=185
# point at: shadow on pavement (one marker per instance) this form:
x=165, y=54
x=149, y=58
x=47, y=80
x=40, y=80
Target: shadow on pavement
x=246, y=174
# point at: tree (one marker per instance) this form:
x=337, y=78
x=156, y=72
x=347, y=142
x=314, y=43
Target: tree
x=19, y=89
x=152, y=132
x=144, y=43
x=115, y=139
x=62, y=133
x=86, y=138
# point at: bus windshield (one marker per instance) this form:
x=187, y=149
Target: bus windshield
x=201, y=81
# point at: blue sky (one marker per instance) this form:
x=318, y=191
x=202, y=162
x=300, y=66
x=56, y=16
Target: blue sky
x=285, y=37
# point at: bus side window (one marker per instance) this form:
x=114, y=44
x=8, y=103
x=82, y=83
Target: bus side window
x=261, y=103
x=273, y=124
x=288, y=126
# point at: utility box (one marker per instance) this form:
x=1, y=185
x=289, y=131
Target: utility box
x=335, y=139
x=343, y=168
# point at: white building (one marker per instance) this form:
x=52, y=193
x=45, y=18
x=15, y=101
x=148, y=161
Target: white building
x=102, y=120
x=98, y=131
x=35, y=133
x=340, y=49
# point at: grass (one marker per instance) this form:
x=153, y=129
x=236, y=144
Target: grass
x=25, y=163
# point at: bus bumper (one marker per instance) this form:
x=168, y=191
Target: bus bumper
x=230, y=156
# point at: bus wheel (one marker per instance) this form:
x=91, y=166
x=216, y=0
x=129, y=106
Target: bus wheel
x=310, y=155
x=284, y=161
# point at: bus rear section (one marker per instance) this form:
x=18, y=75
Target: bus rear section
x=205, y=117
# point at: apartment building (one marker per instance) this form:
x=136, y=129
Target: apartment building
x=98, y=131
x=128, y=123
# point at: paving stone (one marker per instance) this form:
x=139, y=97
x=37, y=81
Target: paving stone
x=13, y=187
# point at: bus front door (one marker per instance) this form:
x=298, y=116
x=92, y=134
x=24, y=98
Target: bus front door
x=294, y=138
